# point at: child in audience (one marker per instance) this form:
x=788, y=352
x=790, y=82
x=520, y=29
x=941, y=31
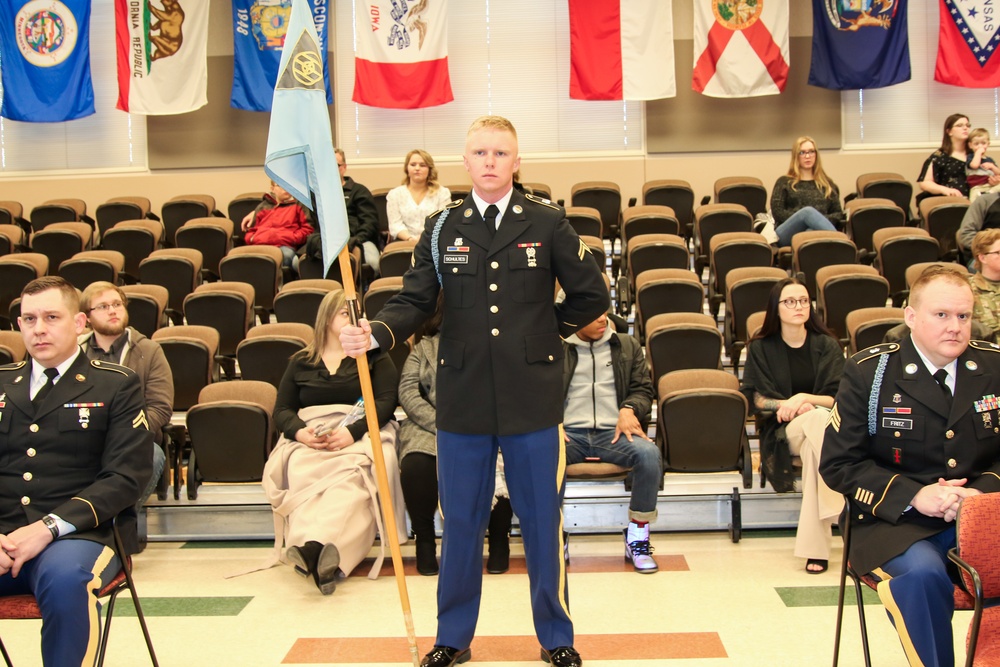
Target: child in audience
x=979, y=166
x=280, y=221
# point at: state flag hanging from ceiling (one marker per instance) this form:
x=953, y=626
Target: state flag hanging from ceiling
x=401, y=60
x=45, y=60
x=621, y=50
x=740, y=47
x=859, y=44
x=967, y=44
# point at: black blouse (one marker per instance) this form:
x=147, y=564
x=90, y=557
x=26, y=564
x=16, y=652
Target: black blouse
x=948, y=171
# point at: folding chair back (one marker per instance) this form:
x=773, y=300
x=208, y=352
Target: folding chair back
x=866, y=216
x=212, y=236
x=676, y=194
x=887, y=185
x=606, y=197
x=146, y=304
x=178, y=210
x=867, y=326
x=259, y=266
x=12, y=347
x=712, y=219
x=896, y=249
x=91, y=266
x=135, y=240
x=678, y=341
x=190, y=351
x=747, y=191
x=942, y=216
x=843, y=288
x=176, y=269
x=380, y=291
x=299, y=301
x=814, y=249
x=585, y=220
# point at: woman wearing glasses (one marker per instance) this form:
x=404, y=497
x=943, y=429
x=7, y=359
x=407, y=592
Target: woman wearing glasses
x=805, y=198
x=986, y=281
x=943, y=173
x=791, y=376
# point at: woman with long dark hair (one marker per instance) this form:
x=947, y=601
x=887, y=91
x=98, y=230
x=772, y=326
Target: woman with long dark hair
x=791, y=377
x=943, y=173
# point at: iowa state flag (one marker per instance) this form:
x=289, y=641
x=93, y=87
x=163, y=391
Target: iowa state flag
x=259, y=28
x=45, y=60
x=162, y=55
x=740, y=47
x=859, y=44
x=967, y=45
x=402, y=54
x=621, y=50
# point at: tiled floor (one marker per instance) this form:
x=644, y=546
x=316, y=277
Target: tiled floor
x=713, y=603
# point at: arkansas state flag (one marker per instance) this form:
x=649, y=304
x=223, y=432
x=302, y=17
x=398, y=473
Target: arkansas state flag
x=402, y=54
x=259, y=28
x=859, y=44
x=967, y=45
x=740, y=47
x=162, y=56
x=45, y=60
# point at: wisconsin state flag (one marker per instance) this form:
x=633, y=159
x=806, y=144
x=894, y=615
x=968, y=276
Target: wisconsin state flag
x=45, y=60
x=967, y=45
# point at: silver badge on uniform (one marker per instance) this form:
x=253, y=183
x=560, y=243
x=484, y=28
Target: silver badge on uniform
x=532, y=263
x=896, y=398
x=971, y=365
x=458, y=241
x=84, y=417
x=910, y=369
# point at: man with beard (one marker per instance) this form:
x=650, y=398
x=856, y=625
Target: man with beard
x=112, y=339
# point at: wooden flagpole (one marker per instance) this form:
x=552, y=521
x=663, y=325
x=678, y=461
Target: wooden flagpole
x=382, y=478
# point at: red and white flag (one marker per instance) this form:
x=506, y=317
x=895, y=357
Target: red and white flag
x=968, y=41
x=621, y=50
x=401, y=60
x=162, y=55
x=740, y=47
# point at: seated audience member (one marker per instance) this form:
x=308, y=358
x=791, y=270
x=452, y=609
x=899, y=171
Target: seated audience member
x=792, y=371
x=420, y=195
x=112, y=339
x=608, y=397
x=984, y=213
x=909, y=438
x=805, y=198
x=986, y=282
x=979, y=166
x=319, y=477
x=279, y=221
x=418, y=459
x=76, y=454
x=943, y=172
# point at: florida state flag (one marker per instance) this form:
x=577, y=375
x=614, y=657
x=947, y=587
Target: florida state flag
x=740, y=47
x=967, y=45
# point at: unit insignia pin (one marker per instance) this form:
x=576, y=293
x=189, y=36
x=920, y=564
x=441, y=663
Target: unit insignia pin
x=971, y=365
x=896, y=398
x=517, y=209
x=80, y=377
x=910, y=369
x=468, y=213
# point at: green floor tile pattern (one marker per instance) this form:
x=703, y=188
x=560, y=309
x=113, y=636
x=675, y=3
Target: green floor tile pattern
x=822, y=596
x=183, y=606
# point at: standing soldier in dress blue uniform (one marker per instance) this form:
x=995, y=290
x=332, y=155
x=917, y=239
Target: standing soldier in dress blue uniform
x=75, y=452
x=916, y=429
x=496, y=255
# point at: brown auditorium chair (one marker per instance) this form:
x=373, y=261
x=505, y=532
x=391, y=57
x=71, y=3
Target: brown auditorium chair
x=897, y=248
x=212, y=236
x=299, y=301
x=177, y=269
x=12, y=213
x=260, y=266
x=380, y=291
x=886, y=185
x=677, y=195
x=747, y=290
x=178, y=210
x=379, y=195
x=585, y=220
x=190, y=351
x=914, y=270
x=941, y=217
x=747, y=191
x=146, y=305
x=459, y=191
x=843, y=288
x=58, y=210
x=242, y=204
x=732, y=250
x=755, y=322
x=117, y=209
x=16, y=271
x=867, y=326
x=641, y=220
x=12, y=239
x=665, y=291
x=231, y=431
x=135, y=240
x=263, y=355
x=91, y=266
x=712, y=219
x=14, y=313
x=814, y=249
x=11, y=347
x=396, y=258
x=539, y=190
x=61, y=240
x=677, y=341
x=865, y=217
x=701, y=428
x=311, y=268
x=606, y=197
x=650, y=251
x=228, y=308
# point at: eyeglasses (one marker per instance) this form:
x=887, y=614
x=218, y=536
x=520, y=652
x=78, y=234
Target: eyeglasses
x=991, y=252
x=801, y=302
x=105, y=307
x=812, y=152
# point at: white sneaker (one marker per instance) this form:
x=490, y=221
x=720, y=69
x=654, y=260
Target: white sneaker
x=638, y=550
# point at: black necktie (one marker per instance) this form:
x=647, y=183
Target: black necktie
x=491, y=218
x=941, y=375
x=51, y=374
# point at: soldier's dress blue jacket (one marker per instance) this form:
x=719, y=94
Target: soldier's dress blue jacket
x=499, y=383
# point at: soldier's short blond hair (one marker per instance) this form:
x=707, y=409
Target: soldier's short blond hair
x=981, y=244
x=935, y=272
x=492, y=123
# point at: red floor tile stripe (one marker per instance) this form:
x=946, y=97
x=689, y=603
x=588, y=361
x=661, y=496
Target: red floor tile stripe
x=578, y=565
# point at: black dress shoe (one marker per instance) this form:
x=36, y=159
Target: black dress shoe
x=564, y=656
x=427, y=562
x=303, y=558
x=327, y=565
x=446, y=656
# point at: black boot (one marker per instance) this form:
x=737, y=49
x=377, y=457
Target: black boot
x=427, y=562
x=499, y=537
x=318, y=561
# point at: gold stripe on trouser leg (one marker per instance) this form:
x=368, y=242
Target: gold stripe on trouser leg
x=560, y=474
x=93, y=618
x=885, y=595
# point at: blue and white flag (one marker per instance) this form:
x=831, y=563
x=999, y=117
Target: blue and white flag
x=258, y=34
x=859, y=44
x=45, y=60
x=300, y=154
